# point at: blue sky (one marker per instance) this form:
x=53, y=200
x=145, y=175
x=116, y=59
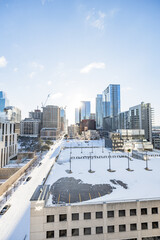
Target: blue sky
x=74, y=49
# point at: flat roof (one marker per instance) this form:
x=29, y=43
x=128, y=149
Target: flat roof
x=99, y=184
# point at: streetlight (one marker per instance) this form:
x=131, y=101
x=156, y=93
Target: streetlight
x=90, y=170
x=109, y=169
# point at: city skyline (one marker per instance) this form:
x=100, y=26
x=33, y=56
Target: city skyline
x=105, y=43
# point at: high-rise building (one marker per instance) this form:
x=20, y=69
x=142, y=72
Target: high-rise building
x=76, y=115
x=99, y=111
x=51, y=122
x=85, y=110
x=3, y=101
x=51, y=117
x=63, y=120
x=111, y=100
x=140, y=117
x=13, y=114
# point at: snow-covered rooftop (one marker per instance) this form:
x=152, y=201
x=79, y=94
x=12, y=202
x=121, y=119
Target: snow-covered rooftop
x=100, y=184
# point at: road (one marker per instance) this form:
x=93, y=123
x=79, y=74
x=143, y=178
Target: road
x=15, y=223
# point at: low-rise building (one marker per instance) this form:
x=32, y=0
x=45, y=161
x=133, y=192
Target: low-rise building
x=50, y=133
x=30, y=127
x=90, y=205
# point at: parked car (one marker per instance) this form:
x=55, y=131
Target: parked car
x=28, y=178
x=4, y=209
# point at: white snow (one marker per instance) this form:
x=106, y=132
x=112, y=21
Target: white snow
x=141, y=183
x=15, y=223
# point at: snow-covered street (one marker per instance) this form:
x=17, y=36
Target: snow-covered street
x=15, y=223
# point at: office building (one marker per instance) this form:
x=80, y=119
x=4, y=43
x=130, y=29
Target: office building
x=3, y=101
x=30, y=127
x=8, y=142
x=63, y=120
x=140, y=117
x=77, y=115
x=99, y=111
x=111, y=98
x=51, y=122
x=85, y=110
x=13, y=114
x=112, y=205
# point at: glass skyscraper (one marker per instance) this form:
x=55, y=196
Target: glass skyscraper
x=99, y=111
x=3, y=101
x=85, y=110
x=76, y=115
x=111, y=98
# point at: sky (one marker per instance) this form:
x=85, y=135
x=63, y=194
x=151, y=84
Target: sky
x=74, y=49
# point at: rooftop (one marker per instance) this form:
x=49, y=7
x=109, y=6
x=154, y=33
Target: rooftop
x=90, y=181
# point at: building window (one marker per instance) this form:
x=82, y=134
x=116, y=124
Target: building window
x=75, y=232
x=62, y=217
x=50, y=234
x=133, y=227
x=154, y=225
x=144, y=226
x=110, y=229
x=87, y=215
x=50, y=218
x=75, y=216
x=155, y=210
x=143, y=211
x=99, y=214
x=122, y=228
x=87, y=231
x=110, y=214
x=99, y=230
x=133, y=212
x=63, y=233
x=122, y=213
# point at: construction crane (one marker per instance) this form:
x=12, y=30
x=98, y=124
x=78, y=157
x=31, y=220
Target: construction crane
x=44, y=104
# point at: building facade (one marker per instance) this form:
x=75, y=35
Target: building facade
x=111, y=97
x=76, y=115
x=120, y=220
x=85, y=110
x=8, y=142
x=3, y=101
x=30, y=127
x=51, y=122
x=99, y=111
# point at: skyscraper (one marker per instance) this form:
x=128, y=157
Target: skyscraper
x=111, y=97
x=140, y=117
x=99, y=111
x=84, y=110
x=3, y=101
x=76, y=115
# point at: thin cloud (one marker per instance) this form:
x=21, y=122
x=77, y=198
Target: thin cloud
x=113, y=12
x=96, y=19
x=37, y=66
x=56, y=95
x=126, y=89
x=3, y=62
x=32, y=75
x=15, y=69
x=91, y=66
